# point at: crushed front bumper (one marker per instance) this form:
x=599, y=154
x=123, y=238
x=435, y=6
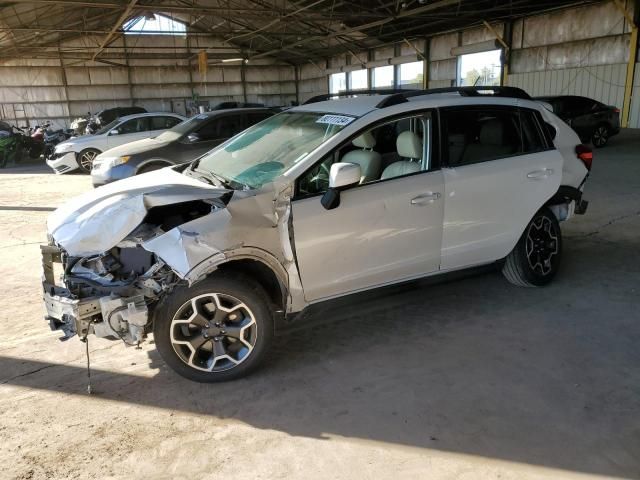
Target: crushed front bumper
x=63, y=162
x=70, y=315
x=109, y=316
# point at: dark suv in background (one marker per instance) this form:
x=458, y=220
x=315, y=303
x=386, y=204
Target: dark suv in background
x=182, y=143
x=593, y=121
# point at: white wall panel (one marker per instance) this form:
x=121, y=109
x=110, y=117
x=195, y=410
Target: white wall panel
x=604, y=83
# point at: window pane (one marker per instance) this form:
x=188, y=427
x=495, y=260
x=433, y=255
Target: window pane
x=479, y=69
x=411, y=75
x=134, y=125
x=475, y=136
x=383, y=77
x=358, y=80
x=162, y=123
x=264, y=151
x=381, y=157
x=531, y=136
x=229, y=126
x=337, y=82
x=209, y=131
x=253, y=118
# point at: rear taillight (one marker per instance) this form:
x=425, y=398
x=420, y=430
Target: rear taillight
x=616, y=110
x=585, y=154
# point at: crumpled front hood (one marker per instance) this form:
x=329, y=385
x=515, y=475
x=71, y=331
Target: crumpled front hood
x=98, y=220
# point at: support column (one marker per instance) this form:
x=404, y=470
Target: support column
x=426, y=62
x=296, y=71
x=244, y=81
x=631, y=64
x=126, y=61
x=65, y=84
x=506, y=52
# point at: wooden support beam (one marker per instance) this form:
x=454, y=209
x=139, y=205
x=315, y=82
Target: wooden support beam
x=116, y=26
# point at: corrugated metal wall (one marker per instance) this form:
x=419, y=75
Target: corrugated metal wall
x=580, y=51
x=32, y=91
x=604, y=82
x=577, y=51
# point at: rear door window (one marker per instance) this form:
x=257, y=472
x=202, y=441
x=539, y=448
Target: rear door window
x=229, y=125
x=253, y=118
x=480, y=135
x=578, y=105
x=163, y=122
x=532, y=137
x=209, y=131
x=134, y=125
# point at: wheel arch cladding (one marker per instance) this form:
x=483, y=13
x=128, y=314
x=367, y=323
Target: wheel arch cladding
x=261, y=273
x=152, y=163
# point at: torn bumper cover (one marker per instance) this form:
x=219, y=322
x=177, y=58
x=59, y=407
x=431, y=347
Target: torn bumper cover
x=108, y=316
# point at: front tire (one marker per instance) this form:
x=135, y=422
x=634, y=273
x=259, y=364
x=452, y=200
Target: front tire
x=218, y=330
x=86, y=158
x=536, y=257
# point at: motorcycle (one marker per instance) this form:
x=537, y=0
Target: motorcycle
x=12, y=145
x=53, y=137
x=79, y=125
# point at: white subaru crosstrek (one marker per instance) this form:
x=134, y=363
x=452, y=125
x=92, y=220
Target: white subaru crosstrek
x=322, y=201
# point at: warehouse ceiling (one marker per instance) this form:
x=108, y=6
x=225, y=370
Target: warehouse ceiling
x=289, y=31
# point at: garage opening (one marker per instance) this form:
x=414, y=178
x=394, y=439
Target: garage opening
x=482, y=68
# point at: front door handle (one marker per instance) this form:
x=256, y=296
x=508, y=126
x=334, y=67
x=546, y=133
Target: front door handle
x=425, y=198
x=540, y=174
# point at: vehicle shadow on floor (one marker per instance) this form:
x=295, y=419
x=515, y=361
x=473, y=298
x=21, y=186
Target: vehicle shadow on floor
x=547, y=376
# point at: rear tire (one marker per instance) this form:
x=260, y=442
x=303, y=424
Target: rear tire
x=536, y=257
x=220, y=329
x=600, y=136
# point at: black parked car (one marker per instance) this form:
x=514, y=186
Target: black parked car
x=182, y=143
x=233, y=104
x=593, y=121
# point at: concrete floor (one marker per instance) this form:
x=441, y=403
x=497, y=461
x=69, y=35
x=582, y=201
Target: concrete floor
x=468, y=379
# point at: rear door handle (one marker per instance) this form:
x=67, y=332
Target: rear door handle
x=540, y=174
x=425, y=198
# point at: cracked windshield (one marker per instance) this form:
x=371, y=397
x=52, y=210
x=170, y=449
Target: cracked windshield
x=268, y=149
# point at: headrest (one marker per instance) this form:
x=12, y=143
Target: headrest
x=492, y=132
x=365, y=140
x=409, y=145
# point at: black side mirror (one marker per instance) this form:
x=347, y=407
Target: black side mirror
x=331, y=199
x=551, y=130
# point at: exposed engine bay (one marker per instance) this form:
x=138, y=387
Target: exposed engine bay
x=112, y=295
x=114, y=253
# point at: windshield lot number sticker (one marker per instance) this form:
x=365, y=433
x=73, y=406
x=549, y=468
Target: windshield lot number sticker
x=335, y=120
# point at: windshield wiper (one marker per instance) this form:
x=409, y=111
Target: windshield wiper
x=214, y=178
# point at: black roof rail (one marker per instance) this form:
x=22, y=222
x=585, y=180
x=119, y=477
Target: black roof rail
x=350, y=93
x=480, y=90
x=396, y=96
x=477, y=91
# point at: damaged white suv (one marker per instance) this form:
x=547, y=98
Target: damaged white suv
x=321, y=201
